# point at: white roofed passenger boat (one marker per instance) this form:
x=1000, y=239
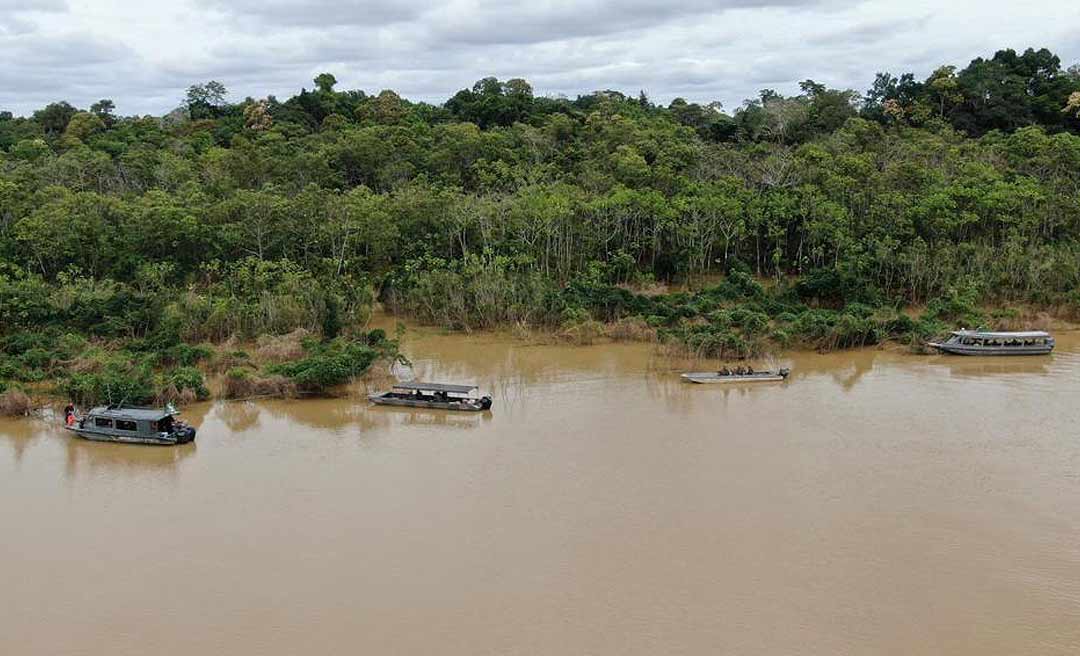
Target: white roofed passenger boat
x=974, y=342
x=437, y=396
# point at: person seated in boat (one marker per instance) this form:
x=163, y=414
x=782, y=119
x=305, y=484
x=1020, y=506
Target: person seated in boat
x=749, y=370
x=724, y=371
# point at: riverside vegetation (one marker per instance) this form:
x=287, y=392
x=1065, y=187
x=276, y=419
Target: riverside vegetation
x=137, y=253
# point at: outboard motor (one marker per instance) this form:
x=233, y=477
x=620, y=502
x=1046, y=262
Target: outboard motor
x=185, y=435
x=485, y=403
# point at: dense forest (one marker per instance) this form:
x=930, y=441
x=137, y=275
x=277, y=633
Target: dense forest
x=814, y=219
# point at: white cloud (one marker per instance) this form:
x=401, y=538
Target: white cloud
x=700, y=49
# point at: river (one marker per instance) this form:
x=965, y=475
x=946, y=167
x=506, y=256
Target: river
x=875, y=503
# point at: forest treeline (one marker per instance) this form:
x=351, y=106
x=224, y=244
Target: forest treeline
x=812, y=217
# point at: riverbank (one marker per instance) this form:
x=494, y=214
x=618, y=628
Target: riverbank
x=296, y=364
x=739, y=317
x=299, y=364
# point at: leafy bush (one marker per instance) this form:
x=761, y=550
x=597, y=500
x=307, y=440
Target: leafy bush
x=958, y=307
x=118, y=381
x=329, y=365
x=738, y=285
x=9, y=368
x=35, y=358
x=850, y=331
x=376, y=337
x=23, y=341
x=70, y=345
x=185, y=355
x=814, y=326
x=188, y=378
x=713, y=341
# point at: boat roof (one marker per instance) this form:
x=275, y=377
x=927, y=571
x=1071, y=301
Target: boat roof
x=1032, y=334
x=436, y=387
x=122, y=412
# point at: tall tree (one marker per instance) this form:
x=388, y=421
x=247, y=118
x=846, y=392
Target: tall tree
x=205, y=100
x=104, y=109
x=325, y=82
x=54, y=118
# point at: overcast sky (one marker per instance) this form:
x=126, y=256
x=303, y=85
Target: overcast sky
x=144, y=54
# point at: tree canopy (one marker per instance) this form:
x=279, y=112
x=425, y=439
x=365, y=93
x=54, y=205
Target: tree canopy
x=264, y=215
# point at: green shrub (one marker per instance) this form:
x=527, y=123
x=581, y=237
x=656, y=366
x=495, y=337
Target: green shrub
x=956, y=307
x=571, y=316
x=9, y=368
x=185, y=355
x=238, y=373
x=813, y=326
x=925, y=330
x=850, y=331
x=35, y=358
x=23, y=342
x=331, y=320
x=188, y=378
x=900, y=325
x=328, y=365
x=33, y=375
x=739, y=285
x=70, y=345
x=781, y=337
x=711, y=341
x=118, y=381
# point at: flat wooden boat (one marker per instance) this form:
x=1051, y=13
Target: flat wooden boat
x=132, y=425
x=973, y=342
x=718, y=378
x=435, y=396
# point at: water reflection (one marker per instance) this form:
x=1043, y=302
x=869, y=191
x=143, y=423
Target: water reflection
x=973, y=366
x=21, y=434
x=89, y=457
x=336, y=415
x=238, y=416
x=332, y=414
x=196, y=413
x=389, y=415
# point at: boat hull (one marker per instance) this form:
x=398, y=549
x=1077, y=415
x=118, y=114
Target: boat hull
x=706, y=378
x=454, y=406
x=179, y=437
x=963, y=349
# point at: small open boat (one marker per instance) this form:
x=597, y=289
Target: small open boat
x=437, y=396
x=718, y=378
x=131, y=425
x=973, y=342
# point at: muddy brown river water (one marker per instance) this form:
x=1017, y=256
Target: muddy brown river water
x=875, y=503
